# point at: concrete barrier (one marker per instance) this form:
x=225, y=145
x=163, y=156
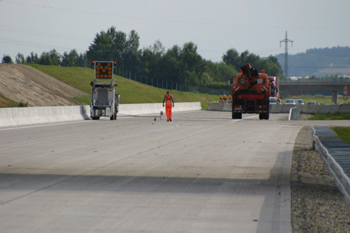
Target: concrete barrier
x=10, y=117
x=344, y=108
x=275, y=108
x=25, y=116
x=294, y=114
x=227, y=107
x=334, y=108
x=215, y=106
x=141, y=109
x=282, y=108
x=6, y=117
x=42, y=115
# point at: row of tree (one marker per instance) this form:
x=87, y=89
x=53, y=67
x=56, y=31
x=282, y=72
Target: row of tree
x=50, y=58
x=182, y=65
x=313, y=60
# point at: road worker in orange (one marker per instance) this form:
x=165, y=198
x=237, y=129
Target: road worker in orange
x=168, y=106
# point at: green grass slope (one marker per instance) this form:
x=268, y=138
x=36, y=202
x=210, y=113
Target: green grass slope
x=318, y=98
x=130, y=91
x=343, y=133
x=330, y=116
x=8, y=103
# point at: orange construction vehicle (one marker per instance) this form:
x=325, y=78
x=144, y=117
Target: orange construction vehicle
x=250, y=93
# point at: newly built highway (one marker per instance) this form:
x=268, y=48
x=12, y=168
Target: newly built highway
x=203, y=172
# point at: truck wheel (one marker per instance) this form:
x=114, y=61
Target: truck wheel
x=267, y=116
x=95, y=118
x=236, y=115
x=113, y=117
x=261, y=116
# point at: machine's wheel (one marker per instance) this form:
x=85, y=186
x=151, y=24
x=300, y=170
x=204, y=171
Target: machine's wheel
x=236, y=115
x=95, y=118
x=113, y=117
x=261, y=116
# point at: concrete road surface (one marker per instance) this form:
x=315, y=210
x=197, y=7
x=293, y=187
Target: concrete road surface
x=203, y=172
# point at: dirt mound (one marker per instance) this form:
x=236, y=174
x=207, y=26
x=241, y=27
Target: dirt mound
x=26, y=84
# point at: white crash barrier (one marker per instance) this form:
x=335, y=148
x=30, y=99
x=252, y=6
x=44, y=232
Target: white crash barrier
x=216, y=106
x=294, y=114
x=275, y=108
x=281, y=108
x=140, y=109
x=42, y=115
x=344, y=108
x=6, y=117
x=227, y=107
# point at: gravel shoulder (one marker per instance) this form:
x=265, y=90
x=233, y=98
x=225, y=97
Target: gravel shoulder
x=317, y=204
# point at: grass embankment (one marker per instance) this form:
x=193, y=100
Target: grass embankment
x=330, y=116
x=130, y=91
x=343, y=133
x=6, y=103
x=318, y=98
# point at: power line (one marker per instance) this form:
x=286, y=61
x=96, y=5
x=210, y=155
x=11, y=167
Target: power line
x=35, y=45
x=161, y=20
x=47, y=34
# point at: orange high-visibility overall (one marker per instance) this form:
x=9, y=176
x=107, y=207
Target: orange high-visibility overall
x=168, y=108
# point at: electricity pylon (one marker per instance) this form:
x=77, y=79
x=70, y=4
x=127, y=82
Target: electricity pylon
x=286, y=40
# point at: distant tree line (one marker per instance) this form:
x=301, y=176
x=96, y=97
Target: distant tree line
x=310, y=62
x=182, y=65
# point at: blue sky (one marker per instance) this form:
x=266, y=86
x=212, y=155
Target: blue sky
x=214, y=26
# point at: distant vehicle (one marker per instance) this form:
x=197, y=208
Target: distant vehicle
x=311, y=102
x=299, y=101
x=317, y=103
x=273, y=100
x=290, y=102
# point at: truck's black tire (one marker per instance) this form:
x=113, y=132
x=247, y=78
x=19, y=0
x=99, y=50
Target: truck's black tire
x=95, y=118
x=113, y=117
x=261, y=116
x=236, y=115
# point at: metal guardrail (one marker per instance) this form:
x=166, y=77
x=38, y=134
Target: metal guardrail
x=341, y=179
